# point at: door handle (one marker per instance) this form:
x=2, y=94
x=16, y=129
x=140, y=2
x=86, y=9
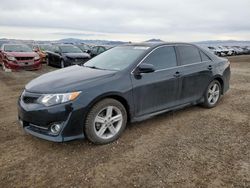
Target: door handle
x=177, y=74
x=210, y=67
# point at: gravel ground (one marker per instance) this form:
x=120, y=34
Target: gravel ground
x=193, y=147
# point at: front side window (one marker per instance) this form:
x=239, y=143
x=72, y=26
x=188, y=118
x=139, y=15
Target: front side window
x=189, y=54
x=162, y=58
x=101, y=49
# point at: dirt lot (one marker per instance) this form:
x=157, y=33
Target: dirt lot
x=194, y=147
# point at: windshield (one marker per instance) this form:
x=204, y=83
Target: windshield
x=117, y=58
x=70, y=49
x=17, y=48
x=84, y=47
x=46, y=47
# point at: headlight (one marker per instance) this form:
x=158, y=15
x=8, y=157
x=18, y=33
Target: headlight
x=11, y=58
x=37, y=57
x=53, y=99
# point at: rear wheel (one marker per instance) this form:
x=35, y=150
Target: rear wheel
x=212, y=95
x=106, y=121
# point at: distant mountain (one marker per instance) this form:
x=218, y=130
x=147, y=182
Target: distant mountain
x=224, y=43
x=154, y=40
x=95, y=42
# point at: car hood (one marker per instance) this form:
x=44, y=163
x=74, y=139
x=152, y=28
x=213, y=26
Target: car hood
x=77, y=55
x=68, y=79
x=21, y=54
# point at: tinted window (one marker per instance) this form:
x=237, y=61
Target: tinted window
x=94, y=50
x=101, y=49
x=189, y=54
x=204, y=57
x=162, y=58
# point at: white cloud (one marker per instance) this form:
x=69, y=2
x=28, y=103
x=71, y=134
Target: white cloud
x=135, y=20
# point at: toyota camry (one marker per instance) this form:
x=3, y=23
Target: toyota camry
x=127, y=83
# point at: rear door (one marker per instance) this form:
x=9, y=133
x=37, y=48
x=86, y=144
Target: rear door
x=158, y=90
x=195, y=72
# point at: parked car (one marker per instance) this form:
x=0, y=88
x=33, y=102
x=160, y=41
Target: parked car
x=18, y=56
x=42, y=49
x=246, y=50
x=126, y=83
x=64, y=55
x=84, y=47
x=96, y=50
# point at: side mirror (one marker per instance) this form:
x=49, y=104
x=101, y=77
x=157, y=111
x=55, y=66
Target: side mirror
x=145, y=68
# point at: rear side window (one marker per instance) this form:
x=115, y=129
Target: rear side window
x=162, y=58
x=189, y=54
x=204, y=57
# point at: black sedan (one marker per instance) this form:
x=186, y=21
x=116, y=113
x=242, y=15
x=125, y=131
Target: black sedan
x=96, y=50
x=126, y=83
x=64, y=55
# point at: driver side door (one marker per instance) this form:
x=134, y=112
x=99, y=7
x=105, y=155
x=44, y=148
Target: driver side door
x=157, y=90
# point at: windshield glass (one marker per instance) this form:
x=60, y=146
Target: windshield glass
x=17, y=48
x=84, y=47
x=70, y=49
x=44, y=47
x=117, y=58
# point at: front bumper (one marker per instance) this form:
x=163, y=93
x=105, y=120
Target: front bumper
x=37, y=120
x=23, y=65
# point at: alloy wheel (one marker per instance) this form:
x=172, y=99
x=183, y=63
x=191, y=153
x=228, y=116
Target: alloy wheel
x=213, y=93
x=108, y=122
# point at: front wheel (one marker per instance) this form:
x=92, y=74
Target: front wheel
x=62, y=64
x=212, y=95
x=106, y=121
x=5, y=69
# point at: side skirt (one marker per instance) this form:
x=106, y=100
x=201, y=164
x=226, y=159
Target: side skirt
x=148, y=116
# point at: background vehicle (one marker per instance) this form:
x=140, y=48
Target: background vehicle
x=84, y=47
x=96, y=50
x=18, y=56
x=126, y=83
x=64, y=55
x=42, y=49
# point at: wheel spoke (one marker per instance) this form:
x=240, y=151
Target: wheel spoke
x=210, y=91
x=101, y=131
x=116, y=118
x=210, y=98
x=109, y=111
x=214, y=88
x=216, y=93
x=112, y=129
x=99, y=119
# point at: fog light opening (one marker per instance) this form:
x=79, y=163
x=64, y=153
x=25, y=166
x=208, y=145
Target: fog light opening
x=56, y=128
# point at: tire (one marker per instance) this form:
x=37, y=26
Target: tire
x=212, y=94
x=48, y=63
x=100, y=127
x=5, y=69
x=62, y=65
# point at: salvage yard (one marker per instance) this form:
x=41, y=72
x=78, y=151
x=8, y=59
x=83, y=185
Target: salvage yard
x=193, y=147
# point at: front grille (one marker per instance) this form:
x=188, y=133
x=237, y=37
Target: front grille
x=81, y=60
x=29, y=100
x=24, y=58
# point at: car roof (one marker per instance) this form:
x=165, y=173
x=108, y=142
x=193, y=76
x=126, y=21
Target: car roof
x=156, y=44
